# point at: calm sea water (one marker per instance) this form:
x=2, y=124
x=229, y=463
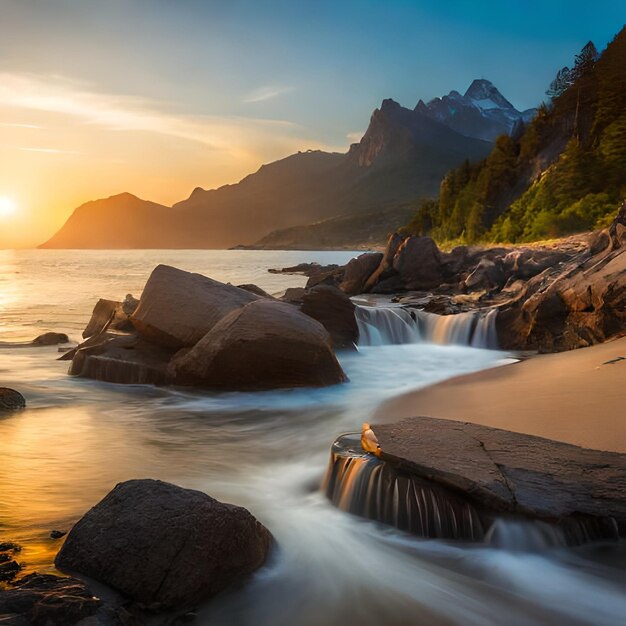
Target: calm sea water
x=266, y=451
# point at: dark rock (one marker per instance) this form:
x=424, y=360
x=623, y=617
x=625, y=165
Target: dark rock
x=111, y=315
x=265, y=345
x=165, y=546
x=507, y=471
x=9, y=570
x=357, y=272
x=178, y=308
x=11, y=400
x=293, y=295
x=255, y=290
x=456, y=262
x=57, y=534
x=50, y=339
x=418, y=263
x=385, y=269
x=47, y=600
x=335, y=311
x=487, y=275
x=121, y=358
x=331, y=277
x=308, y=269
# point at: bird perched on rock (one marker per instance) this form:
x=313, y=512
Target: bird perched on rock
x=369, y=442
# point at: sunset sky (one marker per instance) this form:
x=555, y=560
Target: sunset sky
x=157, y=97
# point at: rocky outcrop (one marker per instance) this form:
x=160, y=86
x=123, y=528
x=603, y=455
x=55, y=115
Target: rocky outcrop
x=11, y=400
x=557, y=296
x=164, y=546
x=178, y=308
x=111, y=315
x=573, y=304
x=264, y=345
x=357, y=272
x=335, y=311
x=450, y=479
x=507, y=471
x=191, y=330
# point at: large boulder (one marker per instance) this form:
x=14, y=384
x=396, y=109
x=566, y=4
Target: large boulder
x=266, y=344
x=124, y=358
x=11, y=400
x=178, y=308
x=165, y=546
x=335, y=311
x=418, y=261
x=110, y=315
x=358, y=270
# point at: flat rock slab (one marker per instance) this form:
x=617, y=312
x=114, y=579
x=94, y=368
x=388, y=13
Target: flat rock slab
x=508, y=471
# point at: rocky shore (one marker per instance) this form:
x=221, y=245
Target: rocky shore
x=558, y=296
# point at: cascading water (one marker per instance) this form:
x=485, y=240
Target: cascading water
x=397, y=325
x=359, y=483
x=385, y=325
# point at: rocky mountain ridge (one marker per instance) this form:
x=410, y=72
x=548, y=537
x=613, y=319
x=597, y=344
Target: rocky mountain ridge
x=403, y=155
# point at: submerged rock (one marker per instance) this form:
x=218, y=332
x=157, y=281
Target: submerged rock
x=265, y=345
x=178, y=308
x=50, y=339
x=11, y=400
x=165, y=546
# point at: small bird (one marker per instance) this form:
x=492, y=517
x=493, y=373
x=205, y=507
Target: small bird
x=369, y=442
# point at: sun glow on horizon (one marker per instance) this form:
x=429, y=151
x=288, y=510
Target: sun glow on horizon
x=8, y=206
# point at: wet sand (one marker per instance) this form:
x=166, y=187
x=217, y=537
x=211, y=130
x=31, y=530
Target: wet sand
x=576, y=397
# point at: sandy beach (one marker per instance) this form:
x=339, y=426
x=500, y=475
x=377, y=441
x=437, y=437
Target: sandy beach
x=576, y=397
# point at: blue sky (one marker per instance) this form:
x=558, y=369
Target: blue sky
x=201, y=92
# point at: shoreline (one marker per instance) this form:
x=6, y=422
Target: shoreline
x=573, y=396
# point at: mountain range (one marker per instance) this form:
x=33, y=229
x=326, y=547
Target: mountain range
x=402, y=156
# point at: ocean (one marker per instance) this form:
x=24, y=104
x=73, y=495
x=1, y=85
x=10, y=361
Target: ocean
x=267, y=451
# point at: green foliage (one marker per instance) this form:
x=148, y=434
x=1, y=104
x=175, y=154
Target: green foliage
x=565, y=173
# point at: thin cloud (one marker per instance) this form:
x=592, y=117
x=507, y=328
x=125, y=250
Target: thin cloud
x=51, y=150
x=355, y=137
x=16, y=125
x=128, y=113
x=266, y=93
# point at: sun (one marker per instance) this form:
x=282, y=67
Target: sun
x=8, y=206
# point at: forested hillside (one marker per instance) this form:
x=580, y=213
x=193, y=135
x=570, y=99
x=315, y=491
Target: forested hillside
x=564, y=172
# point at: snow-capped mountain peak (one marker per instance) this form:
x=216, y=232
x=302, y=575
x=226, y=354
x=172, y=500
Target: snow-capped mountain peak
x=482, y=112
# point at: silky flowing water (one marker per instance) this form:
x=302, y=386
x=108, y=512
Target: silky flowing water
x=267, y=451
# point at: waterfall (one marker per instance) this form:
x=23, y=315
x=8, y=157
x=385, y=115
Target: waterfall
x=361, y=484
x=396, y=325
x=385, y=325
x=523, y=535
